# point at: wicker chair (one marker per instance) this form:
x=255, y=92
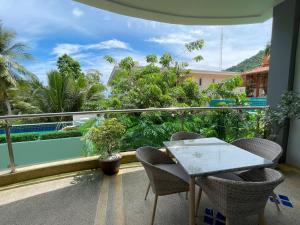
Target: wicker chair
x=165, y=176
x=264, y=148
x=239, y=199
x=182, y=135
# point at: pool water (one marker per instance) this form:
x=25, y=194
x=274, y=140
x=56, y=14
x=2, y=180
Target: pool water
x=37, y=128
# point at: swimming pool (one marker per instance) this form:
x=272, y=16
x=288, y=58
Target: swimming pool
x=39, y=127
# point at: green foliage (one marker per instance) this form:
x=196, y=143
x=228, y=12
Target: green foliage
x=166, y=60
x=105, y=137
x=109, y=59
x=11, y=71
x=151, y=59
x=69, y=89
x=287, y=109
x=248, y=64
x=67, y=66
x=267, y=51
x=225, y=90
x=87, y=125
x=127, y=63
x=20, y=137
x=61, y=134
x=150, y=86
x=195, y=46
x=23, y=137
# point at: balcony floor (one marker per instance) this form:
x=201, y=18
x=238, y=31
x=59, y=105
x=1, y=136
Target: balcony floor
x=89, y=198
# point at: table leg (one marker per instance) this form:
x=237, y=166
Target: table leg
x=192, y=202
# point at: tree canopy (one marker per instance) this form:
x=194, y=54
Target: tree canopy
x=11, y=71
x=152, y=86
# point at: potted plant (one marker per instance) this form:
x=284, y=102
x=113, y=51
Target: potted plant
x=104, y=141
x=287, y=109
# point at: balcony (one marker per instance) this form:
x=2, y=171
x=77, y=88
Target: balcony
x=69, y=188
x=89, y=197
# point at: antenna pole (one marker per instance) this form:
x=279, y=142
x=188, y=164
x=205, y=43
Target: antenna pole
x=221, y=49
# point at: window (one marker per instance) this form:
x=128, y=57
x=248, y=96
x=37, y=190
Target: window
x=200, y=81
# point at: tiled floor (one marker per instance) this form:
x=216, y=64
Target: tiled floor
x=89, y=198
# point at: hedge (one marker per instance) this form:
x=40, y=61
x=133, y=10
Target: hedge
x=20, y=137
x=34, y=136
x=61, y=134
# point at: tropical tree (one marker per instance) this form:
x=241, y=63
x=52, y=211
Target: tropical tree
x=152, y=59
x=67, y=66
x=151, y=86
x=266, y=55
x=109, y=59
x=11, y=71
x=69, y=89
x=195, y=46
x=226, y=90
x=165, y=60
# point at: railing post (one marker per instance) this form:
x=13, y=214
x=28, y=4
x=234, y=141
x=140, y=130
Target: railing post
x=182, y=120
x=10, y=148
x=258, y=123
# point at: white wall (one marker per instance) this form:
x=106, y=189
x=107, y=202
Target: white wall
x=293, y=153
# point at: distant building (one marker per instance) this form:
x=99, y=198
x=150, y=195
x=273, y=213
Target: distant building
x=256, y=80
x=205, y=77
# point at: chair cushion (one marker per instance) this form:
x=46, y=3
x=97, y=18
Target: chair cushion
x=175, y=169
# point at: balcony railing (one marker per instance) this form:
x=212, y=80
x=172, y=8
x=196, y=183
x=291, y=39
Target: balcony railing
x=185, y=118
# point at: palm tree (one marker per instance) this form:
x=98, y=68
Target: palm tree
x=266, y=55
x=10, y=69
x=63, y=93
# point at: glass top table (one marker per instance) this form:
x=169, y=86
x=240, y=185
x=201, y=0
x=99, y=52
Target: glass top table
x=208, y=156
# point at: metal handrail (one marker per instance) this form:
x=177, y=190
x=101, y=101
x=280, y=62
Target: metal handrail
x=171, y=109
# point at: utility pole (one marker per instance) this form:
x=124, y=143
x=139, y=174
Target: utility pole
x=221, y=50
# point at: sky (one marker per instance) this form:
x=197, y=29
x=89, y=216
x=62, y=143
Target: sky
x=54, y=27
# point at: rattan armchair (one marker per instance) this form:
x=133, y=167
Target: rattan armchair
x=182, y=135
x=165, y=176
x=264, y=148
x=240, y=199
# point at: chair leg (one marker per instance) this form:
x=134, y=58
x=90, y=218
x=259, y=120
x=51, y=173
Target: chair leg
x=148, y=188
x=262, y=220
x=275, y=201
x=154, y=209
x=198, y=201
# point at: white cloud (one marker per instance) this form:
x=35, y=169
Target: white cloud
x=70, y=49
x=172, y=39
x=77, y=12
x=114, y=43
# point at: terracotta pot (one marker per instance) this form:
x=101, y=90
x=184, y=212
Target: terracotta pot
x=111, y=166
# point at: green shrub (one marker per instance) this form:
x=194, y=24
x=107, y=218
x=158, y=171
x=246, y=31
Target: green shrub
x=61, y=134
x=20, y=137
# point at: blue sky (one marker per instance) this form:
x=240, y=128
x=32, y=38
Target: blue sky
x=54, y=27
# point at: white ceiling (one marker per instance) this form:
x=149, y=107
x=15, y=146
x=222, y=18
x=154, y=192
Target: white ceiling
x=201, y=12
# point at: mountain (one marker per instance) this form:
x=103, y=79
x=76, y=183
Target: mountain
x=248, y=64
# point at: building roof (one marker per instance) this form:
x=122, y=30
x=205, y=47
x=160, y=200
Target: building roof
x=192, y=12
x=213, y=72
x=257, y=70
